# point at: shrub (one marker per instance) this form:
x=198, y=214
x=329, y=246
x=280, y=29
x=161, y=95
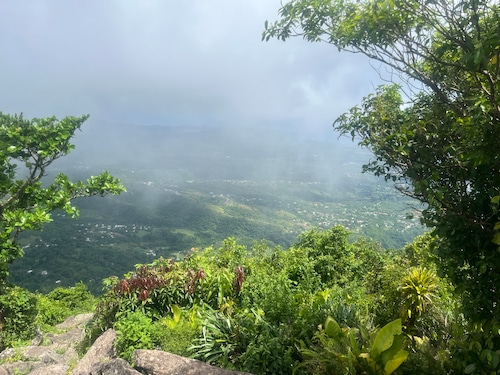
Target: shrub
x=346, y=350
x=134, y=331
x=217, y=344
x=18, y=312
x=176, y=334
x=61, y=303
x=78, y=299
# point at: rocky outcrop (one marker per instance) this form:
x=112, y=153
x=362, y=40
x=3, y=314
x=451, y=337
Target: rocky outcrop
x=48, y=353
x=156, y=362
x=101, y=352
x=56, y=354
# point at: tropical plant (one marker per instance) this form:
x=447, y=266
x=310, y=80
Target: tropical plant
x=418, y=295
x=354, y=350
x=217, y=344
x=176, y=333
x=134, y=331
x=17, y=317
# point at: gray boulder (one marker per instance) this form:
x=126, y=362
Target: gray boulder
x=156, y=362
x=114, y=367
x=101, y=351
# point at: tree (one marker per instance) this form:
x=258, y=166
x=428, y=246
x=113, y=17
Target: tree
x=27, y=149
x=436, y=134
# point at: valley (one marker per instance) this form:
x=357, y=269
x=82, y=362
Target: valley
x=187, y=202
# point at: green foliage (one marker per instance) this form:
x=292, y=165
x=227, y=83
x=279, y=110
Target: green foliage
x=332, y=255
x=26, y=203
x=154, y=288
x=354, y=351
x=17, y=319
x=77, y=298
x=22, y=311
x=418, y=294
x=266, y=348
x=59, y=304
x=134, y=331
x=217, y=344
x=262, y=317
x=176, y=334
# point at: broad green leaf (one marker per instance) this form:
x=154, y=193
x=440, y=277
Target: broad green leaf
x=495, y=359
x=332, y=328
x=176, y=312
x=394, y=349
x=385, y=337
x=395, y=362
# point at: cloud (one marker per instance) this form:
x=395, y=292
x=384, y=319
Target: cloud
x=170, y=62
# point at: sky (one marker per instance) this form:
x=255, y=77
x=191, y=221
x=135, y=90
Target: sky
x=171, y=62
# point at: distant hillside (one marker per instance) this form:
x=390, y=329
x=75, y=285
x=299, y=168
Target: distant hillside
x=194, y=187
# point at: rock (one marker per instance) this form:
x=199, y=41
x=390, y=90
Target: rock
x=49, y=354
x=78, y=321
x=38, y=339
x=21, y=367
x=27, y=359
x=101, y=351
x=42, y=354
x=56, y=369
x=155, y=362
x=72, y=333
x=116, y=366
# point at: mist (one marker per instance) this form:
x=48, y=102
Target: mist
x=216, y=153
x=184, y=87
x=167, y=63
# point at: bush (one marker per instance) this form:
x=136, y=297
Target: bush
x=176, y=334
x=265, y=348
x=18, y=313
x=134, y=331
x=77, y=299
x=62, y=303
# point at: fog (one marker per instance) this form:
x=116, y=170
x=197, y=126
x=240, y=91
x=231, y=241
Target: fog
x=214, y=153
x=184, y=90
x=171, y=63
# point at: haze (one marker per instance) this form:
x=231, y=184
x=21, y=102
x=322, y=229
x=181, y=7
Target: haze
x=173, y=63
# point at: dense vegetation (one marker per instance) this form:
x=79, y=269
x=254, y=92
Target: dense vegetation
x=322, y=306
x=24, y=312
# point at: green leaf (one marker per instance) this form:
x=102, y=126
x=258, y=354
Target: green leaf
x=395, y=362
x=495, y=359
x=354, y=344
x=390, y=353
x=176, y=312
x=469, y=369
x=332, y=328
x=385, y=337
